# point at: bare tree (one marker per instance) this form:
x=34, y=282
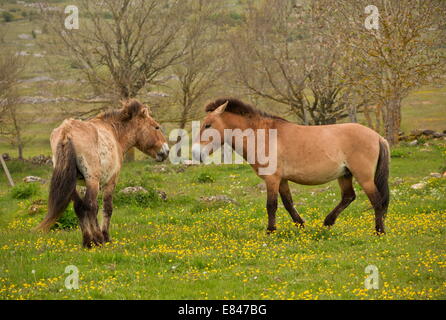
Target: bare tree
x=401, y=55
x=201, y=67
x=11, y=67
x=123, y=46
x=280, y=54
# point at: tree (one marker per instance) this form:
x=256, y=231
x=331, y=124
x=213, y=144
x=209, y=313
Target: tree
x=201, y=67
x=281, y=55
x=124, y=45
x=11, y=121
x=404, y=53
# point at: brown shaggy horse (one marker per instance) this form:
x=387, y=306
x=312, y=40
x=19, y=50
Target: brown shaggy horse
x=308, y=155
x=93, y=151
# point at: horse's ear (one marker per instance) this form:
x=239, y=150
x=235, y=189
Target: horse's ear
x=131, y=109
x=221, y=108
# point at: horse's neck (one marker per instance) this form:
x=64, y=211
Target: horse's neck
x=125, y=136
x=255, y=125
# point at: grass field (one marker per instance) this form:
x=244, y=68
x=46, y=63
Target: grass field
x=185, y=248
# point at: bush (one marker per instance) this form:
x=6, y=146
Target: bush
x=205, y=178
x=139, y=199
x=68, y=220
x=24, y=190
x=395, y=153
x=7, y=17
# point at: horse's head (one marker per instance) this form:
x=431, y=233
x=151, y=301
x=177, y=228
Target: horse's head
x=211, y=136
x=148, y=136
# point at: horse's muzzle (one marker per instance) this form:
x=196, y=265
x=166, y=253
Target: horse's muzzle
x=163, y=153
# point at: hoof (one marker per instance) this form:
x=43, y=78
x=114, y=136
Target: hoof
x=270, y=230
x=329, y=221
x=300, y=225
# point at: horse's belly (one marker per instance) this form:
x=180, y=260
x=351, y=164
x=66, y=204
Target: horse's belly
x=315, y=175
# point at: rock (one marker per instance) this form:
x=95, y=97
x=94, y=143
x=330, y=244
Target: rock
x=31, y=179
x=162, y=195
x=398, y=181
x=25, y=36
x=219, y=198
x=37, y=79
x=261, y=187
x=136, y=189
x=160, y=169
x=416, y=132
x=435, y=175
x=188, y=162
x=37, y=206
x=444, y=174
x=413, y=143
x=428, y=132
x=6, y=157
x=418, y=186
x=180, y=169
x=438, y=135
x=41, y=160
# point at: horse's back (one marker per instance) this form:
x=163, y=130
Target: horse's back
x=97, y=153
x=319, y=154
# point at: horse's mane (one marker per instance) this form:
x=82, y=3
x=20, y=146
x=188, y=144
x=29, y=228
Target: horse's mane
x=236, y=106
x=132, y=106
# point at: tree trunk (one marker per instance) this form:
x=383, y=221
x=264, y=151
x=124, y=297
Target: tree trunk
x=392, y=121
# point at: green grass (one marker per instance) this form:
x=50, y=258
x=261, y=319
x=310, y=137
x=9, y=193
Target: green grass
x=184, y=248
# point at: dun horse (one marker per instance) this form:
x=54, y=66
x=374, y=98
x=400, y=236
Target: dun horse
x=93, y=151
x=308, y=155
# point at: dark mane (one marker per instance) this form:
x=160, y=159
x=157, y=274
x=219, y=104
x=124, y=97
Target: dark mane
x=131, y=106
x=236, y=106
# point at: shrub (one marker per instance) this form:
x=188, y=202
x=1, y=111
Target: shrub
x=68, y=220
x=205, y=177
x=139, y=199
x=24, y=190
x=7, y=17
x=395, y=153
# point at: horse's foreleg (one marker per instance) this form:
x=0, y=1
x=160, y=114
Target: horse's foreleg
x=107, y=210
x=272, y=188
x=348, y=196
x=287, y=201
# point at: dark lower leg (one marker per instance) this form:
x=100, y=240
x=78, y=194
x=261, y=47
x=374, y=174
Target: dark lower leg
x=348, y=196
x=380, y=210
x=271, y=207
x=287, y=201
x=84, y=224
x=91, y=204
x=108, y=209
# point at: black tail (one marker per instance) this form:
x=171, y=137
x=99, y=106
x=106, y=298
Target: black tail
x=63, y=183
x=382, y=174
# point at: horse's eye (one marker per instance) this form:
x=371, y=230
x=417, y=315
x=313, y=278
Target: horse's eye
x=207, y=126
x=157, y=128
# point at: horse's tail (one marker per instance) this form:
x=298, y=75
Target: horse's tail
x=382, y=173
x=63, y=183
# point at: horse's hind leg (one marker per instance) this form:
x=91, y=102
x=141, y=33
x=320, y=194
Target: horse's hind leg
x=84, y=222
x=91, y=205
x=348, y=196
x=287, y=201
x=108, y=210
x=376, y=200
